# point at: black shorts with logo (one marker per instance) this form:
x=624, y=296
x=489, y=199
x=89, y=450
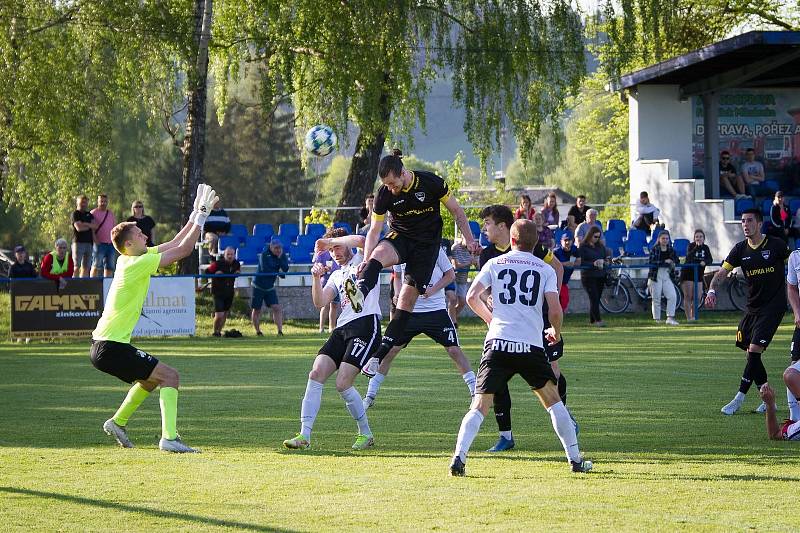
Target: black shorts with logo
x=758, y=329
x=795, y=350
x=503, y=359
x=124, y=361
x=555, y=351
x=353, y=342
x=435, y=324
x=223, y=302
x=419, y=257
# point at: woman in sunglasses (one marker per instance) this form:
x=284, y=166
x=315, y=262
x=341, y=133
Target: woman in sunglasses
x=143, y=222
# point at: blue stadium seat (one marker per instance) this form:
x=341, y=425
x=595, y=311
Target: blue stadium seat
x=240, y=230
x=794, y=205
x=228, y=240
x=306, y=241
x=345, y=225
x=766, y=206
x=299, y=254
x=290, y=230
x=286, y=240
x=614, y=240
x=315, y=230
x=771, y=185
x=476, y=228
x=484, y=240
x=681, y=247
x=636, y=243
x=266, y=231
x=616, y=224
x=255, y=242
x=741, y=204
x=247, y=256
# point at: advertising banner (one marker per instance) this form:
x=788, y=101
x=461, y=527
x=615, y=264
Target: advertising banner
x=40, y=309
x=168, y=308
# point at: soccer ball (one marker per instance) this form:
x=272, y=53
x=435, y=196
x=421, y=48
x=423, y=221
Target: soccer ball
x=320, y=140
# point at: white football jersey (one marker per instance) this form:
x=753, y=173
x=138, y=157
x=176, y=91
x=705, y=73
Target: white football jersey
x=434, y=302
x=793, y=269
x=518, y=281
x=336, y=282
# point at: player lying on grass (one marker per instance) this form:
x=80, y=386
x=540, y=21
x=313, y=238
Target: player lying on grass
x=790, y=429
x=112, y=351
x=519, y=282
x=430, y=317
x=349, y=346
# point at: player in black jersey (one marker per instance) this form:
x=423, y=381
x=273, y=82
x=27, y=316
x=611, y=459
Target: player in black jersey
x=762, y=260
x=412, y=198
x=497, y=222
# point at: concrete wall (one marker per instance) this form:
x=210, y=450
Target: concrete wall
x=660, y=126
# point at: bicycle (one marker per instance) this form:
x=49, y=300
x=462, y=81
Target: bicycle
x=617, y=298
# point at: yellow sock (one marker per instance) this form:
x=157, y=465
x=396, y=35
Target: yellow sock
x=136, y=395
x=169, y=412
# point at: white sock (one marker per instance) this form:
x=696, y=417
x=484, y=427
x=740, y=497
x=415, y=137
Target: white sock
x=352, y=400
x=470, y=426
x=469, y=379
x=794, y=407
x=565, y=430
x=375, y=384
x=506, y=435
x=310, y=407
x=740, y=396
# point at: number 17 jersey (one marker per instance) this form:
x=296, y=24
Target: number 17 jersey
x=518, y=281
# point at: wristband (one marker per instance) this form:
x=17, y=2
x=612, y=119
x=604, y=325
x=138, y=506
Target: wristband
x=712, y=291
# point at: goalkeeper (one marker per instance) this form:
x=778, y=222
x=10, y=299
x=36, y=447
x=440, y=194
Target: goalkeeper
x=111, y=350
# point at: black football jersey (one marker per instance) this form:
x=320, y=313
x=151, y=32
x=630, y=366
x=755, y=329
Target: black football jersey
x=492, y=251
x=763, y=268
x=415, y=211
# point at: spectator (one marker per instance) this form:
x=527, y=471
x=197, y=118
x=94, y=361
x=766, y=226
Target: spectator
x=729, y=179
x=564, y=252
x=21, y=267
x=590, y=222
x=365, y=214
x=577, y=213
x=218, y=223
x=697, y=254
x=550, y=210
x=659, y=278
x=752, y=172
x=593, y=254
x=330, y=312
x=274, y=260
x=461, y=260
x=780, y=221
x=646, y=214
x=525, y=209
x=143, y=222
x=82, y=237
x=222, y=288
x=105, y=256
x=57, y=265
x=545, y=233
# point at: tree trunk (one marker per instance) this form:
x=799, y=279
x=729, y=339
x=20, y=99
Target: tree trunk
x=194, y=143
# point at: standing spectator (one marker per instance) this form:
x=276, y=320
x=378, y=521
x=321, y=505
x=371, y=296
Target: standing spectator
x=659, y=278
x=698, y=254
x=21, y=268
x=223, y=287
x=525, y=209
x=143, y=222
x=273, y=259
x=550, y=210
x=322, y=256
x=752, y=172
x=218, y=223
x=564, y=252
x=105, y=256
x=729, y=179
x=646, y=214
x=593, y=254
x=57, y=265
x=365, y=214
x=780, y=221
x=83, y=226
x=590, y=222
x=545, y=233
x=461, y=259
x=577, y=213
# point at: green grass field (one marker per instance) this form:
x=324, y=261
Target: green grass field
x=647, y=398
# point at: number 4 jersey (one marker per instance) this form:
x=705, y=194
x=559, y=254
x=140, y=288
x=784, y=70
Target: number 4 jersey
x=518, y=281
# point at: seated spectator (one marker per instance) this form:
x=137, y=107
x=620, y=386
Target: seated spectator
x=752, y=172
x=698, y=253
x=329, y=313
x=565, y=252
x=590, y=222
x=525, y=209
x=577, y=213
x=780, y=221
x=222, y=288
x=83, y=226
x=143, y=222
x=729, y=179
x=647, y=215
x=659, y=278
x=594, y=256
x=57, y=265
x=273, y=259
x=21, y=268
x=545, y=233
x=218, y=223
x=550, y=210
x=461, y=260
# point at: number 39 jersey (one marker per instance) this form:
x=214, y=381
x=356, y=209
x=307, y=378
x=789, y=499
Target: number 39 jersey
x=519, y=282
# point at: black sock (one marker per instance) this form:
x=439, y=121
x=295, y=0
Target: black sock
x=393, y=331
x=757, y=370
x=562, y=388
x=747, y=378
x=370, y=276
x=502, y=409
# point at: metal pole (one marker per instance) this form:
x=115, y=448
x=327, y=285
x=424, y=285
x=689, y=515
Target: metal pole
x=300, y=220
x=696, y=302
x=711, y=143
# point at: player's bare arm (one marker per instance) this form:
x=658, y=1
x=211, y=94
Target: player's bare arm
x=793, y=294
x=462, y=223
x=350, y=241
x=556, y=317
x=373, y=236
x=477, y=304
x=448, y=278
x=768, y=397
x=204, y=202
x=716, y=281
x=319, y=295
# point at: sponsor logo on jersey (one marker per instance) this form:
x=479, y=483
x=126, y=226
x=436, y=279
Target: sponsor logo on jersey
x=510, y=346
x=420, y=196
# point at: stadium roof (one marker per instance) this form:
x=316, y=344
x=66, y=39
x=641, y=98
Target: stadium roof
x=754, y=59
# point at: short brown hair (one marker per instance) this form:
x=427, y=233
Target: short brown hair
x=120, y=233
x=524, y=233
x=334, y=232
